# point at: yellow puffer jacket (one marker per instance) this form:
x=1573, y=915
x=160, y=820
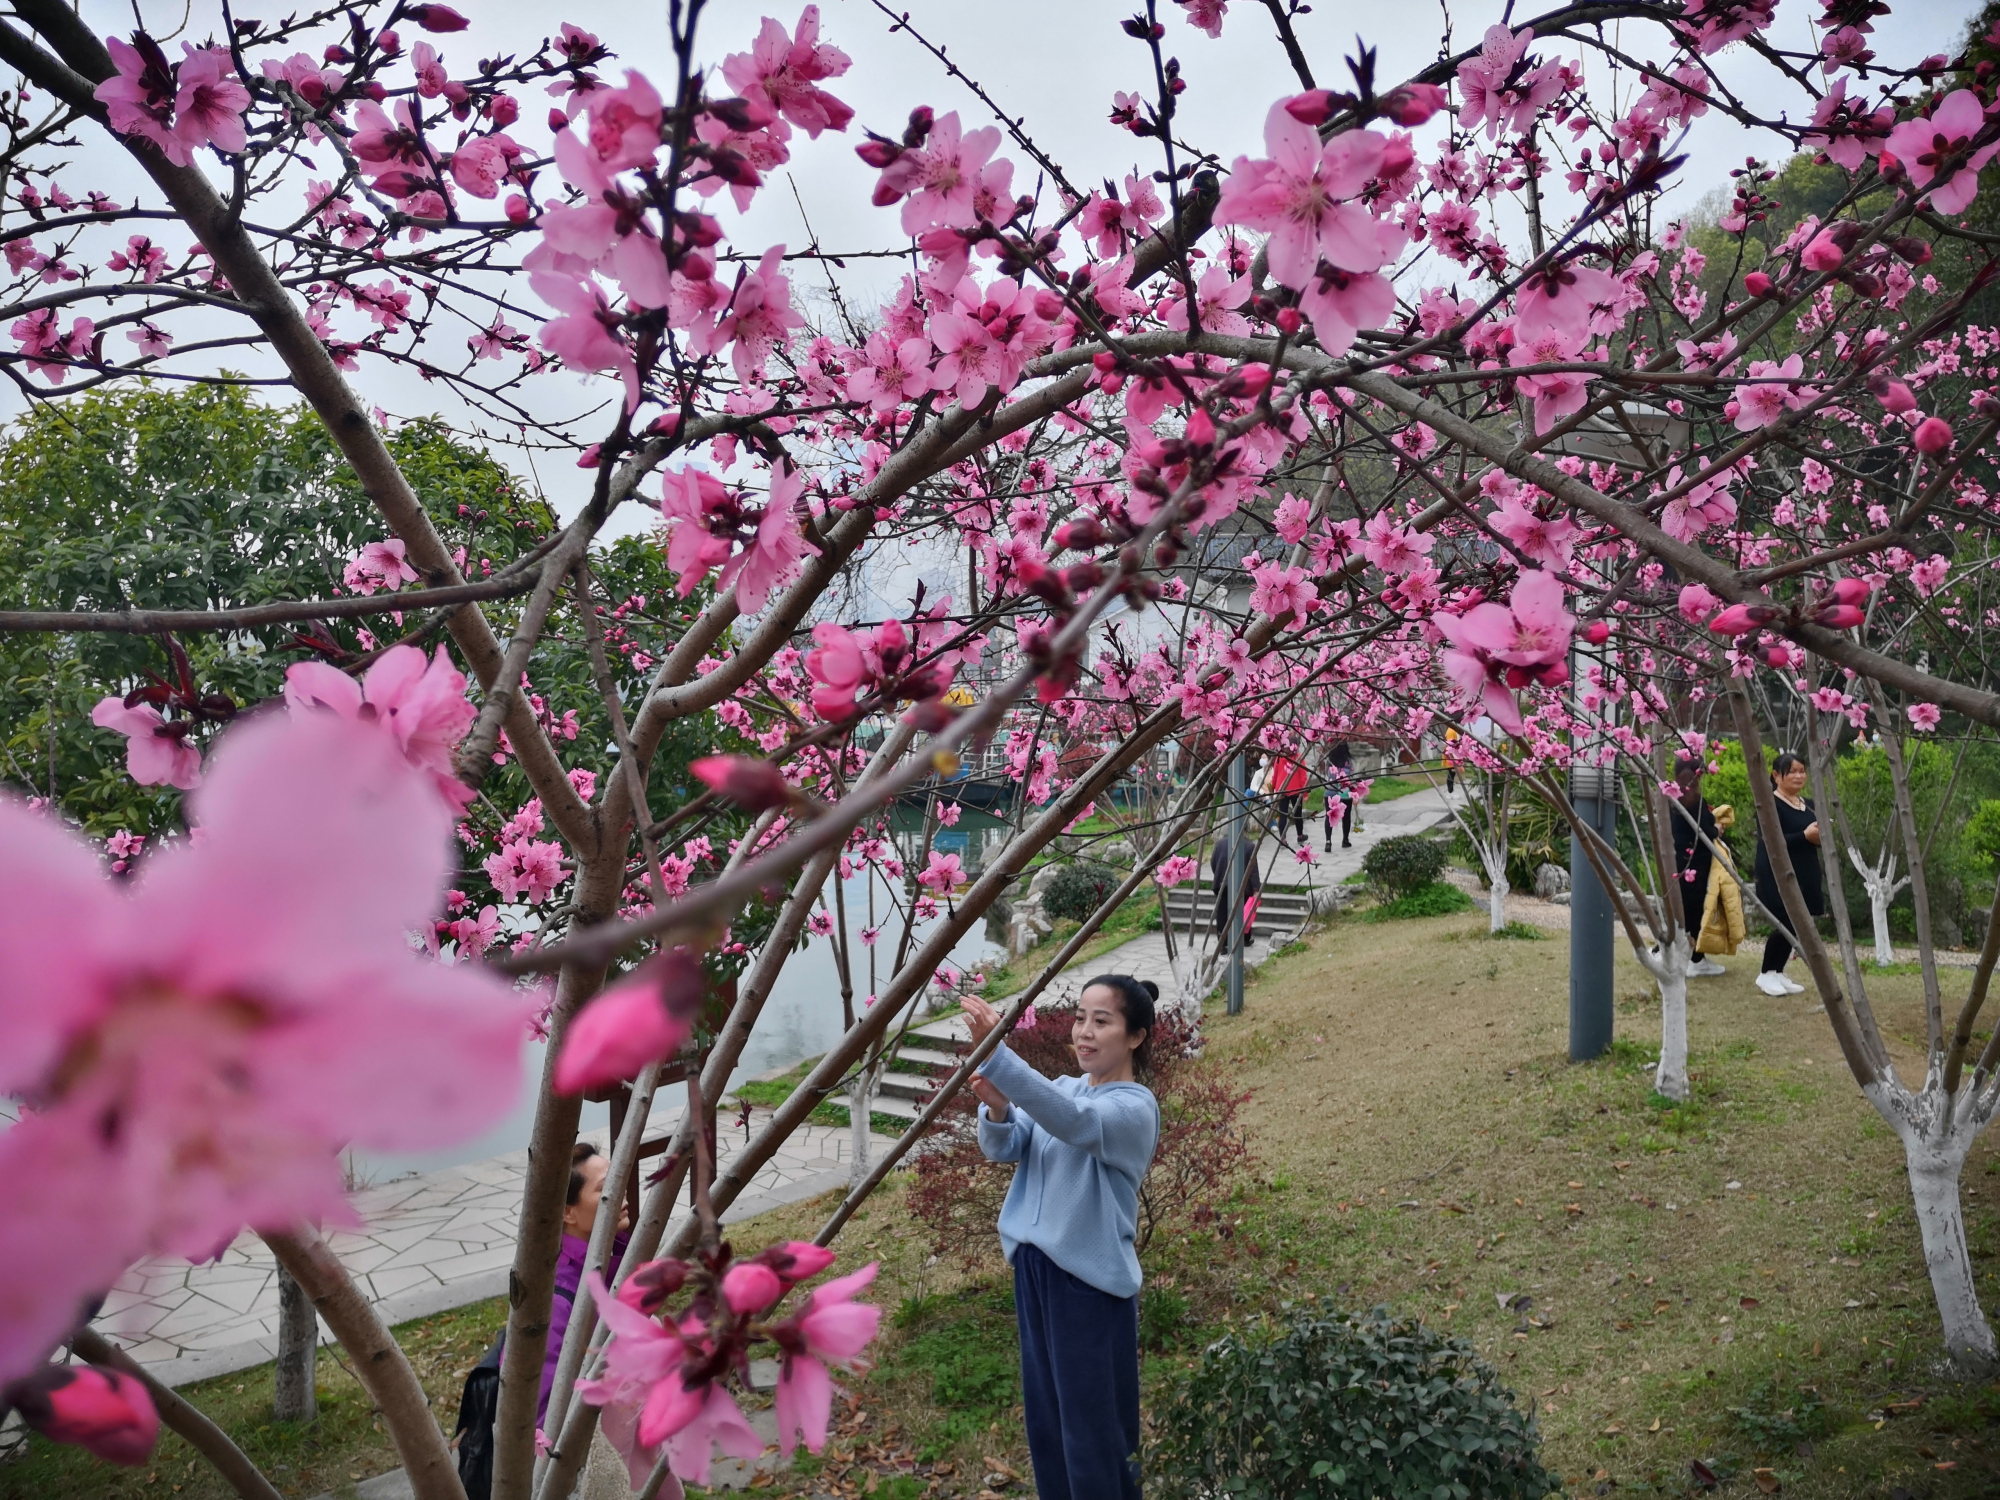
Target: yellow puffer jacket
x=1722, y=914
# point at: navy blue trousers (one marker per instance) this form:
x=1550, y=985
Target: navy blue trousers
x=1079, y=1382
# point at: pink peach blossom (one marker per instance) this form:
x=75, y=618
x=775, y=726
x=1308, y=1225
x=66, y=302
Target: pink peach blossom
x=199, y=1042
x=1300, y=193
x=831, y=1329
x=420, y=703
x=1924, y=146
x=785, y=71
x=154, y=755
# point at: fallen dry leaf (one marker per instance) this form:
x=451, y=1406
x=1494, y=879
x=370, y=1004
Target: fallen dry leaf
x=1768, y=1482
x=1746, y=1302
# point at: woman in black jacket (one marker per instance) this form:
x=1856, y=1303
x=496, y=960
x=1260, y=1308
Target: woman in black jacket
x=1800, y=824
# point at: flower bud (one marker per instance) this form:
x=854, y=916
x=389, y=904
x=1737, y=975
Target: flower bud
x=750, y=1288
x=437, y=18
x=642, y=1020
x=1597, y=632
x=517, y=209
x=1413, y=103
x=1933, y=436
x=1757, y=284
x=1314, y=107
x=1838, y=616
x=745, y=780
x=100, y=1410
x=1081, y=534
x=797, y=1260
x=646, y=1290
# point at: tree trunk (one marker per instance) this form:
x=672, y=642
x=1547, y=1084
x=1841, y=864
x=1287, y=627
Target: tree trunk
x=859, y=1102
x=1878, y=907
x=1935, y=1143
x=296, y=1399
x=1670, y=1079
x=1496, y=893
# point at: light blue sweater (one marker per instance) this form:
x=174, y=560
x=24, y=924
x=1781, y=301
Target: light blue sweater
x=1083, y=1152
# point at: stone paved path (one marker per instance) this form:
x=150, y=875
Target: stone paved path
x=430, y=1241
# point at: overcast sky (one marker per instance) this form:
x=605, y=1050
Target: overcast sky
x=1053, y=63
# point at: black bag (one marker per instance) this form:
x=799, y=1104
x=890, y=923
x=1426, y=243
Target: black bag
x=478, y=1405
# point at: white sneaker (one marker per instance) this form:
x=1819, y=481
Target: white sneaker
x=1773, y=984
x=1792, y=986
x=1705, y=968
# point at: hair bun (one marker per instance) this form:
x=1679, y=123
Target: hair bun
x=1151, y=988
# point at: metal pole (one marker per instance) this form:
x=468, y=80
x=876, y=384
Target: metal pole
x=1239, y=785
x=1594, y=794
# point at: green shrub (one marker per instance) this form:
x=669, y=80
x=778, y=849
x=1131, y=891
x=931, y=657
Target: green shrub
x=1526, y=931
x=1079, y=890
x=1163, y=1319
x=1404, y=864
x=1434, y=900
x=1319, y=1406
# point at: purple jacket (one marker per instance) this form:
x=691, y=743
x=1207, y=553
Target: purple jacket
x=569, y=1277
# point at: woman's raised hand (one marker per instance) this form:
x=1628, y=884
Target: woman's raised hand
x=981, y=1017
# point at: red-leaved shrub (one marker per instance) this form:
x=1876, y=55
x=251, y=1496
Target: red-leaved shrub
x=958, y=1192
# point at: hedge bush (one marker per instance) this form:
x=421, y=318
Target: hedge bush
x=1403, y=865
x=1079, y=890
x=1434, y=900
x=1321, y=1406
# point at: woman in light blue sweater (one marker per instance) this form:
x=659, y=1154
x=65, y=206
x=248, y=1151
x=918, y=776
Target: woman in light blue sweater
x=1083, y=1145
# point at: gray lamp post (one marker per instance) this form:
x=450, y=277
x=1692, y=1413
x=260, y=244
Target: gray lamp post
x=1622, y=435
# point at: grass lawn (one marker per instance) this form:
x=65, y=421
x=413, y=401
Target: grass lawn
x=346, y=1444
x=1736, y=1280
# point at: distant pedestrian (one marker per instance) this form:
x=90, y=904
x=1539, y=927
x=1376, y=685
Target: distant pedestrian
x=1799, y=824
x=1337, y=770
x=1695, y=836
x=1219, y=874
x=1289, y=780
x=1068, y=1227
x=1450, y=761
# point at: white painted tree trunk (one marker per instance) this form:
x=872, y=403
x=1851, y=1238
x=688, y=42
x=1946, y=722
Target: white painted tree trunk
x=1879, y=897
x=1936, y=1138
x=860, y=1101
x=1496, y=882
x=1880, y=881
x=1669, y=968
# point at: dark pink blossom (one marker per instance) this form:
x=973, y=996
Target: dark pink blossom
x=208, y=108
x=585, y=336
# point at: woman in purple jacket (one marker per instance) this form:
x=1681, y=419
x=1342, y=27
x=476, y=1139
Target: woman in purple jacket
x=587, y=1171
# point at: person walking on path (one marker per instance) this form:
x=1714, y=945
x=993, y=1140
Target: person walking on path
x=1800, y=825
x=1338, y=773
x=1695, y=834
x=1289, y=779
x=1253, y=884
x=1083, y=1146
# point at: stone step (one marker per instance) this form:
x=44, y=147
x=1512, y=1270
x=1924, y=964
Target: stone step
x=907, y=1085
x=929, y=1057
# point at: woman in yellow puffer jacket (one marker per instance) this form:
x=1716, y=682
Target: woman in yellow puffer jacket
x=1722, y=926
